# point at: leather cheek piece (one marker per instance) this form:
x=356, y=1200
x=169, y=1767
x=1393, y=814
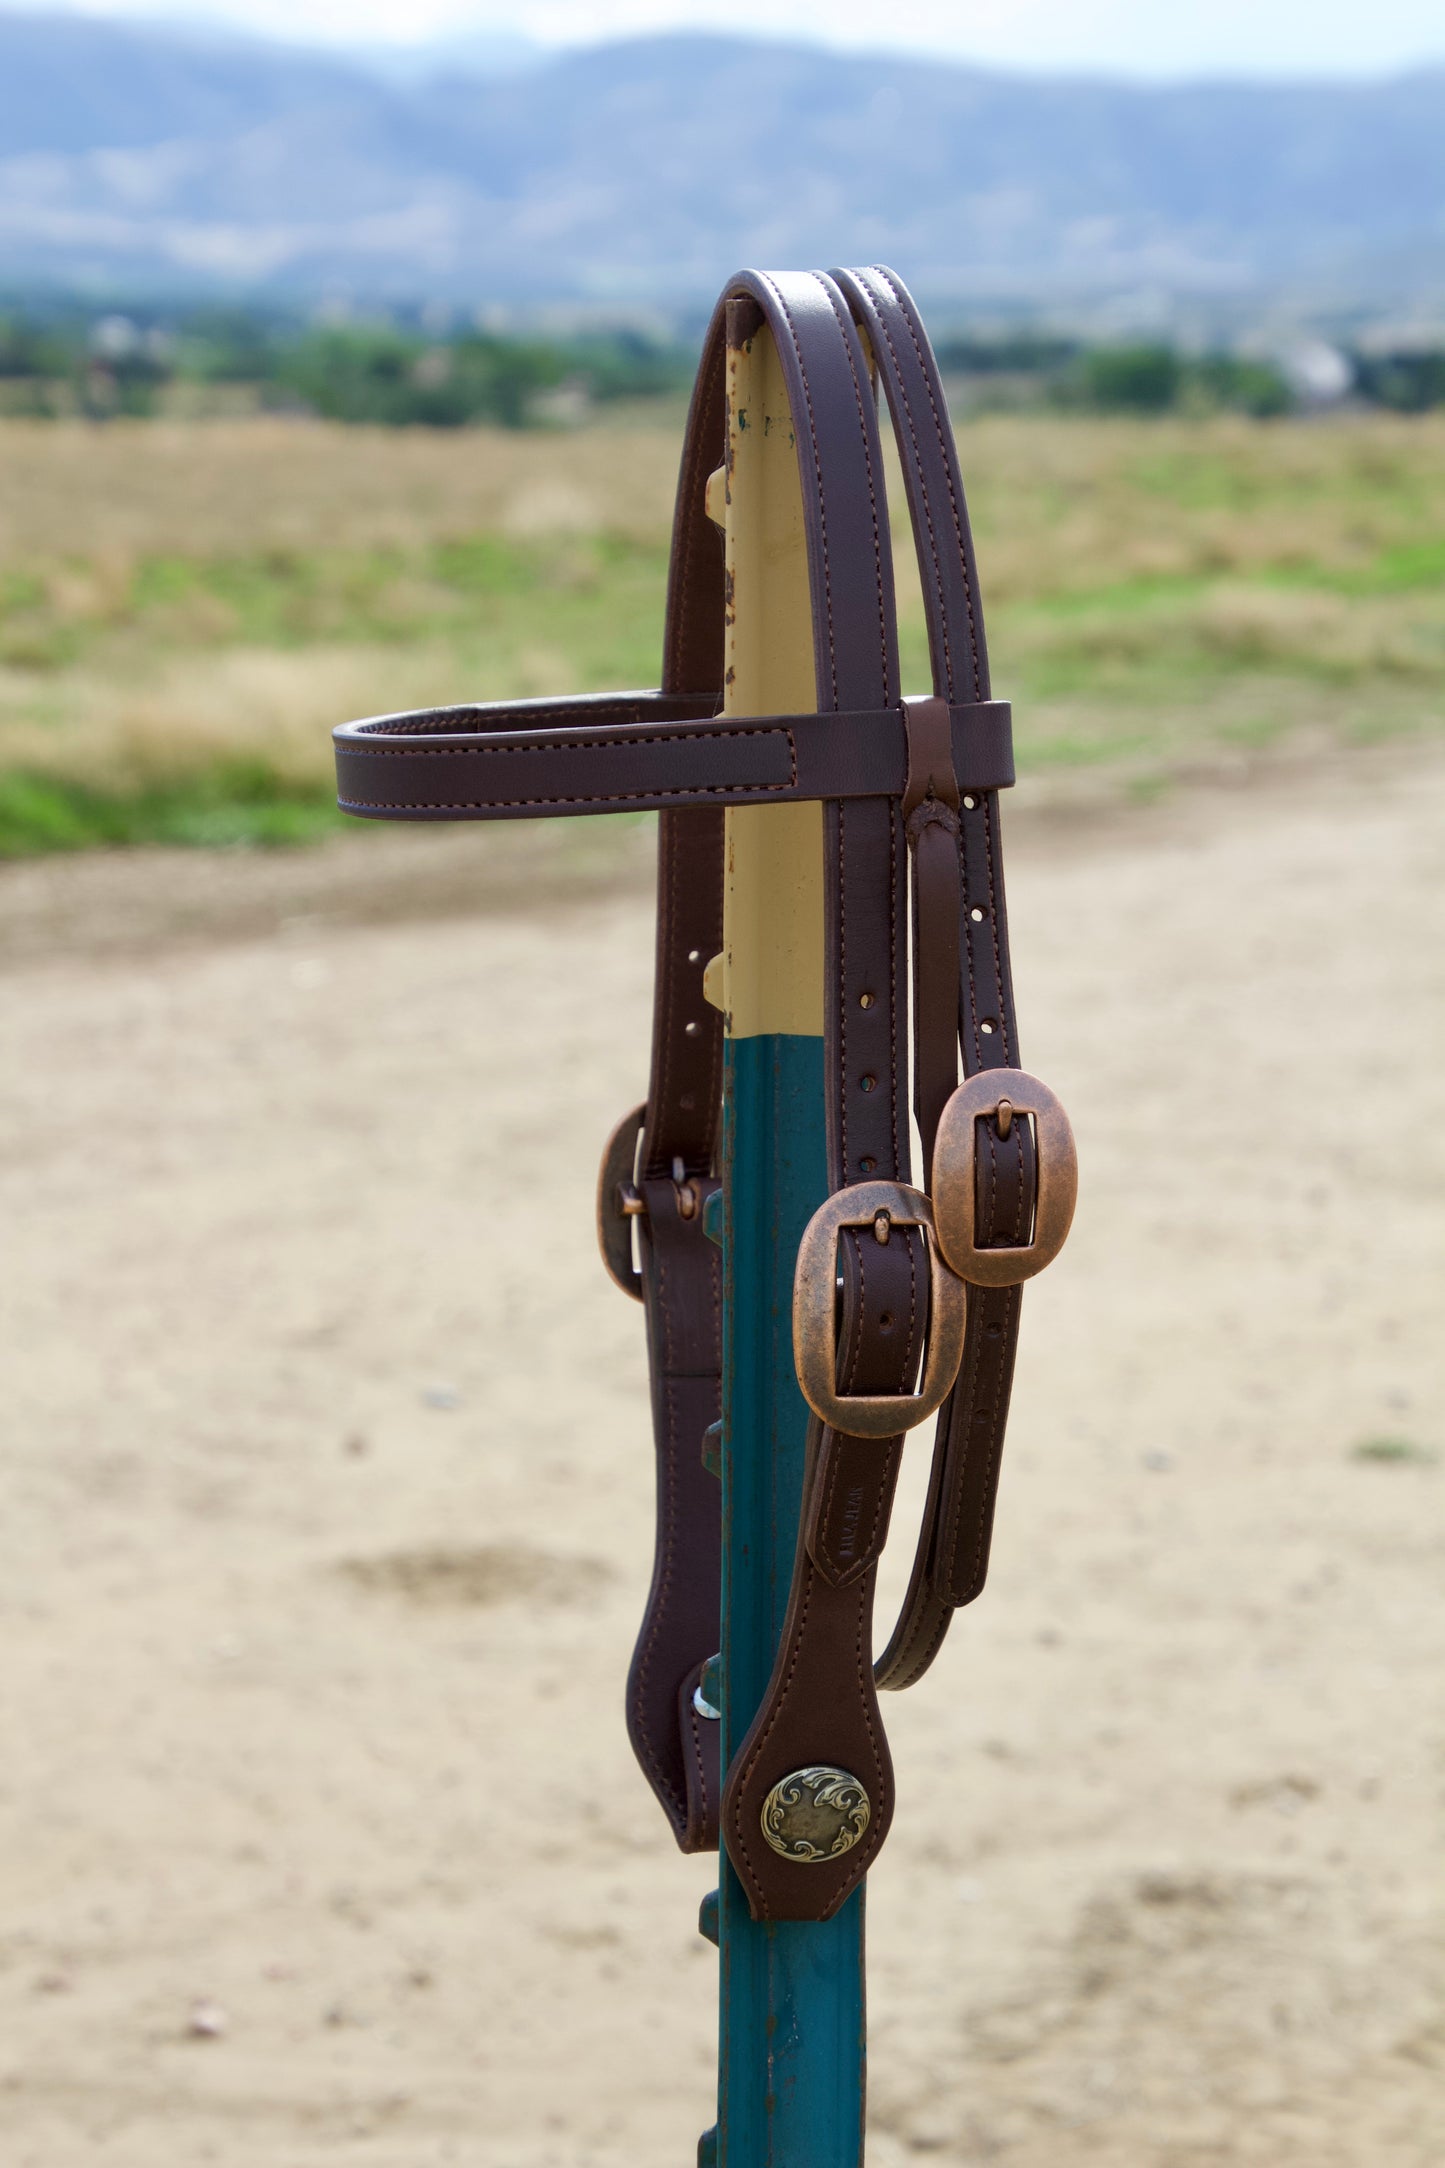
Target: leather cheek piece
x=821, y=1707
x=821, y=1710
x=682, y=1299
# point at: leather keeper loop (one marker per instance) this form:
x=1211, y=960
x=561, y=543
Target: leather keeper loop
x=930, y=755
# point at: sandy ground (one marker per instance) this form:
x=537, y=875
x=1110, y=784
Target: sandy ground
x=326, y=1520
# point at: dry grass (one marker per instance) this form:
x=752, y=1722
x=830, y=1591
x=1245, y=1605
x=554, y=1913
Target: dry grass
x=1066, y=506
x=107, y=496
x=186, y=608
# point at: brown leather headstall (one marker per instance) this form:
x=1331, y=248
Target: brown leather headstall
x=906, y=1300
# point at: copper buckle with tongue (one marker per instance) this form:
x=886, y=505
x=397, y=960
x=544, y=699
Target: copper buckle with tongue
x=1002, y=1096
x=880, y=1206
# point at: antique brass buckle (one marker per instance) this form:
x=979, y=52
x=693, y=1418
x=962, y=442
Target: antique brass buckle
x=1003, y=1095
x=880, y=1206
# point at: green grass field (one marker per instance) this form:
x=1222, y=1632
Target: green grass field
x=186, y=609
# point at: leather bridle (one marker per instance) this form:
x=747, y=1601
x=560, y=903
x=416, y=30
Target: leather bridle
x=897, y=1290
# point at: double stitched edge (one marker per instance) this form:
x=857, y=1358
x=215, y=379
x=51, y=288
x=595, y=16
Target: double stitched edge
x=651, y=754
x=927, y=1296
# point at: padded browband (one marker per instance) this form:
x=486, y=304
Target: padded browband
x=641, y=752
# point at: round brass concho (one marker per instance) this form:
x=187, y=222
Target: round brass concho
x=815, y=1814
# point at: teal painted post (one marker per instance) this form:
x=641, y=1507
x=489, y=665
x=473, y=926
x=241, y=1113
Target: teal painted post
x=791, y=2039
x=790, y=2076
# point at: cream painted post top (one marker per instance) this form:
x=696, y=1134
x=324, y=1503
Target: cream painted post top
x=772, y=960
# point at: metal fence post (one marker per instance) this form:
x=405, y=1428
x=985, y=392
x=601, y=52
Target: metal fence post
x=791, y=2040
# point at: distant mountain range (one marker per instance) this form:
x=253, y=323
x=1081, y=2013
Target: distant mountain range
x=137, y=158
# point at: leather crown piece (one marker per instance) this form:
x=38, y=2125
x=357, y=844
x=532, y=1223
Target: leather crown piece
x=906, y=1302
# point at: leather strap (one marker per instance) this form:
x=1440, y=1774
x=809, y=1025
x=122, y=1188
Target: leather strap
x=675, y=1744
x=931, y=799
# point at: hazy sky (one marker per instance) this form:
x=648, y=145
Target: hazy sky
x=1144, y=37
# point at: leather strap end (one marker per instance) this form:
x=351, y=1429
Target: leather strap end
x=701, y=1768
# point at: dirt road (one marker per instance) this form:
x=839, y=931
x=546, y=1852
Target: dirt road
x=325, y=1528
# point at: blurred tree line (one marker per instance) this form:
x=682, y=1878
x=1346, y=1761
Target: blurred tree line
x=1153, y=377
x=391, y=374
x=59, y=358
